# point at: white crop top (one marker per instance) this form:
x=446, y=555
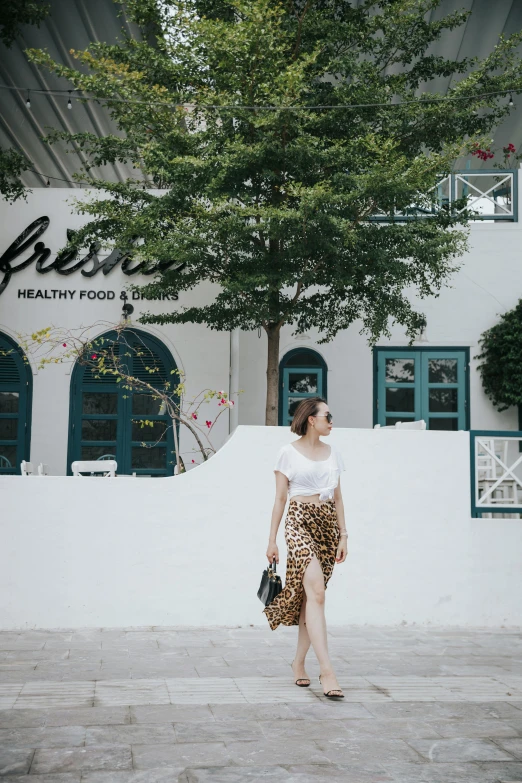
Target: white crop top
x=307, y=476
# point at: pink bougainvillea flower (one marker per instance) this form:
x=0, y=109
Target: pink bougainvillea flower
x=208, y=423
x=194, y=415
x=193, y=460
x=94, y=356
x=65, y=345
x=231, y=402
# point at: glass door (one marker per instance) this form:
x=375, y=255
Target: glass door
x=298, y=384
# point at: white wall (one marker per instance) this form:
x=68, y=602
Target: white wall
x=82, y=552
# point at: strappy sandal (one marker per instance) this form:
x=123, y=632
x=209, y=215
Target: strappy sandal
x=335, y=693
x=302, y=682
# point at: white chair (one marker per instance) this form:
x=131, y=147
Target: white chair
x=26, y=468
x=403, y=425
x=106, y=467
x=43, y=470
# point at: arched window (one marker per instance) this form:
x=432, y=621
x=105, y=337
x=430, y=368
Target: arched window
x=106, y=417
x=15, y=406
x=302, y=374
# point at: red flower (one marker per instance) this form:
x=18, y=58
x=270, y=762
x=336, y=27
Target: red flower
x=509, y=149
x=65, y=345
x=193, y=460
x=194, y=415
x=94, y=356
x=209, y=424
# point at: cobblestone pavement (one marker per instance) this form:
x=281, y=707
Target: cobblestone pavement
x=218, y=705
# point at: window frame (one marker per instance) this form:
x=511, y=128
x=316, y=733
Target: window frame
x=319, y=365
x=401, y=351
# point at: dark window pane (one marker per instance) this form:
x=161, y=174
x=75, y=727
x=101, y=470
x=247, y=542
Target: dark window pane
x=303, y=359
x=147, y=404
x=400, y=370
x=302, y=383
x=8, y=429
x=293, y=402
x=442, y=371
x=100, y=402
x=444, y=400
x=7, y=457
x=390, y=421
x=143, y=457
x=9, y=402
x=99, y=429
x=444, y=424
x=158, y=431
x=400, y=400
x=97, y=452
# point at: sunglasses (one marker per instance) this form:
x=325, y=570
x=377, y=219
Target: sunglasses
x=329, y=417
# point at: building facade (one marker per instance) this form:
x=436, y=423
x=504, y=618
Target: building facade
x=58, y=414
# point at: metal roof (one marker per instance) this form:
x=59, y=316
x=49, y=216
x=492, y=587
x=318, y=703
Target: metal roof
x=73, y=24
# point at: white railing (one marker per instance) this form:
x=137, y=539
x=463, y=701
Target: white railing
x=496, y=473
x=488, y=195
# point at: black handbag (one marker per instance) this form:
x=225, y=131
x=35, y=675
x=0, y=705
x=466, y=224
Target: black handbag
x=270, y=586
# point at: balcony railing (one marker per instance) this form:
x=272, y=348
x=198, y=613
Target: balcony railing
x=496, y=473
x=488, y=195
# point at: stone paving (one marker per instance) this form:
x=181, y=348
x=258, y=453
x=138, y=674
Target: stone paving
x=218, y=705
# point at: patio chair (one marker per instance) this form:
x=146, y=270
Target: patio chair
x=403, y=425
x=106, y=468
x=26, y=468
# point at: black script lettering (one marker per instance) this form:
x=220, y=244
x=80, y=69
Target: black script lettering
x=19, y=246
x=93, y=249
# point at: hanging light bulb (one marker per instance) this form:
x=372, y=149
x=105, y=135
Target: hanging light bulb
x=510, y=100
x=48, y=183
x=69, y=103
x=28, y=101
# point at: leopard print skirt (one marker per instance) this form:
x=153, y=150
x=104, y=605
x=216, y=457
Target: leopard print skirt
x=310, y=530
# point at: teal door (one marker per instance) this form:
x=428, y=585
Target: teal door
x=108, y=420
x=298, y=384
x=422, y=384
x=15, y=407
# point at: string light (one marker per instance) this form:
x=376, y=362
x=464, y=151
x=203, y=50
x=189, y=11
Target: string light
x=235, y=107
x=28, y=101
x=510, y=100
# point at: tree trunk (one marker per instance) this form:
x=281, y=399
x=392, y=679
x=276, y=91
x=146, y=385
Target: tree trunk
x=272, y=375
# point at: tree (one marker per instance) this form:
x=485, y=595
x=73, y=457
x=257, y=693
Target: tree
x=14, y=14
x=275, y=205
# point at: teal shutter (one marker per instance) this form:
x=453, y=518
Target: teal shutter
x=108, y=420
x=15, y=407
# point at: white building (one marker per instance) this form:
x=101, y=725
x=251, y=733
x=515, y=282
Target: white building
x=55, y=415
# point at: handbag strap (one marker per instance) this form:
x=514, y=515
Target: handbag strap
x=273, y=566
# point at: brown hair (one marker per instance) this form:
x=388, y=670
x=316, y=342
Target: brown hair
x=306, y=408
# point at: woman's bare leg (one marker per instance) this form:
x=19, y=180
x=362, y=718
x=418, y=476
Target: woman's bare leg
x=313, y=583
x=303, y=645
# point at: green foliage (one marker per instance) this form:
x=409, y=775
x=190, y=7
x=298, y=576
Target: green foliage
x=15, y=13
x=501, y=360
x=272, y=205
x=12, y=164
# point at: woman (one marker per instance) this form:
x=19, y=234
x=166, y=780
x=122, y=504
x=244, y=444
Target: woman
x=308, y=470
